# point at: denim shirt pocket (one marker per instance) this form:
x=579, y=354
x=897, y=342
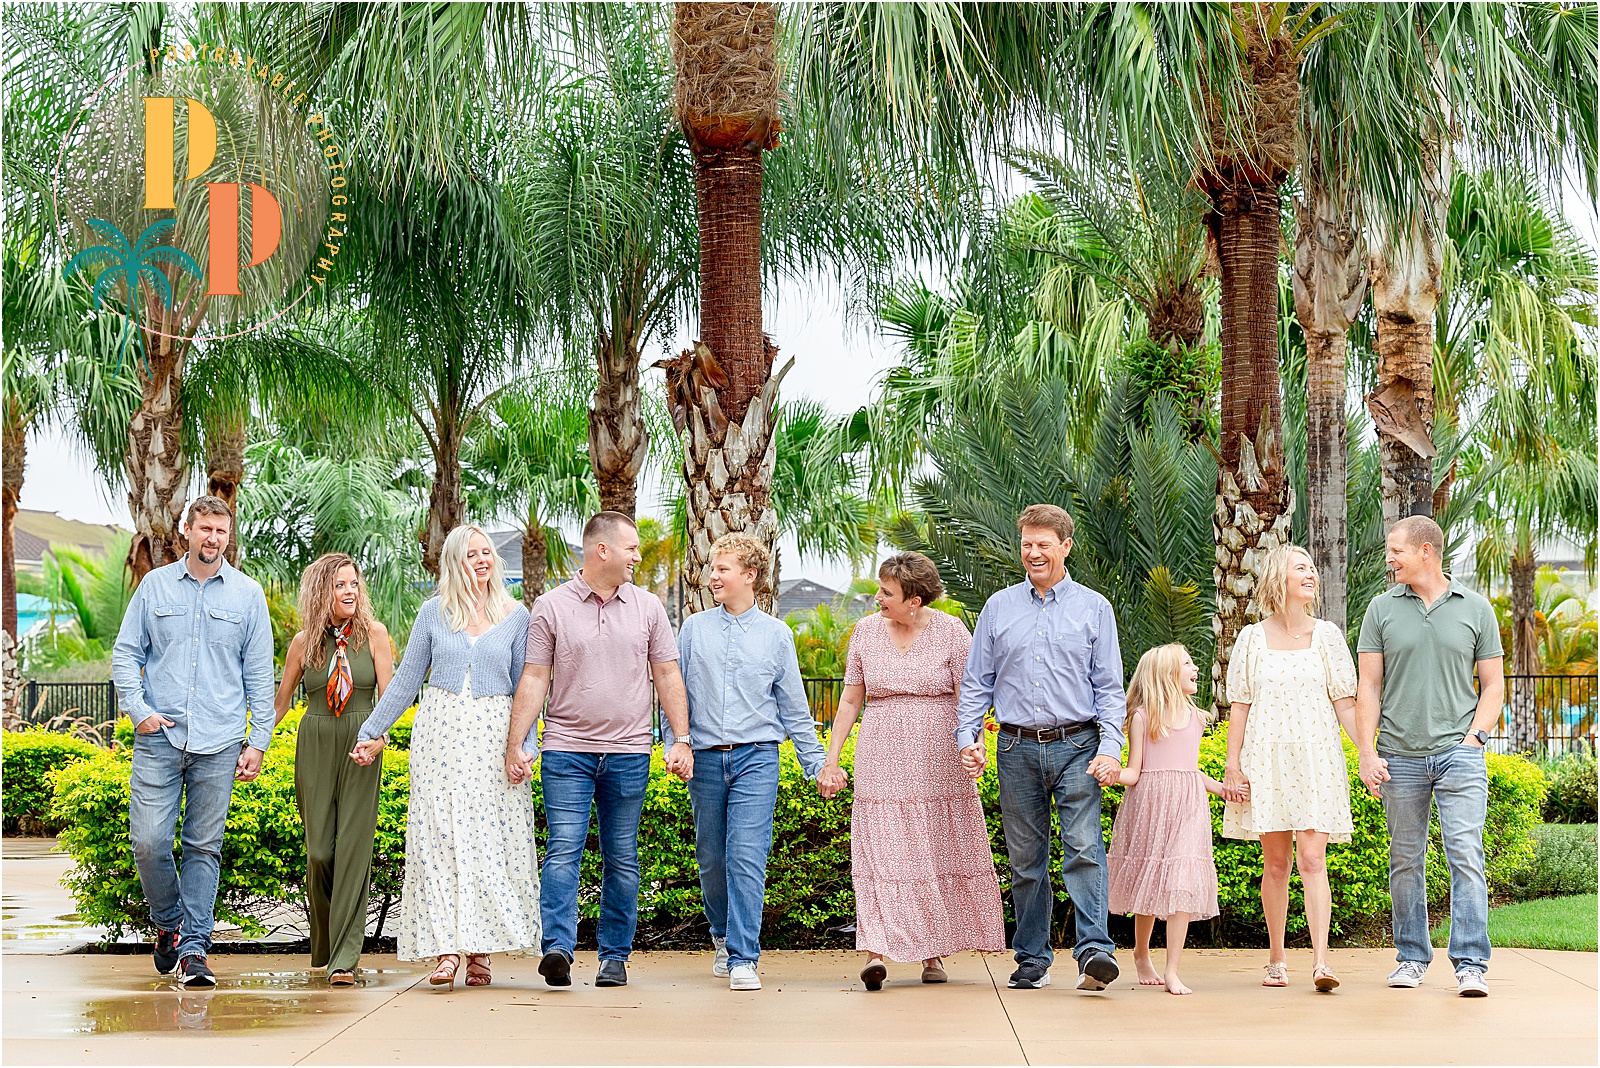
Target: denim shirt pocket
x=225, y=629
x=169, y=623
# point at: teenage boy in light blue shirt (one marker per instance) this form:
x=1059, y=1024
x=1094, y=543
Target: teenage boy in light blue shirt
x=745, y=696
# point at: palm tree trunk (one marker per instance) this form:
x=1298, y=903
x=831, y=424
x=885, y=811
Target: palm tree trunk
x=1524, y=718
x=158, y=470
x=535, y=561
x=1330, y=283
x=619, y=443
x=726, y=94
x=1405, y=292
x=225, y=444
x=446, y=500
x=13, y=462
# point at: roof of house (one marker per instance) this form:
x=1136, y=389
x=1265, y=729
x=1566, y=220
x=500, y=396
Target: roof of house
x=36, y=531
x=803, y=595
x=508, y=543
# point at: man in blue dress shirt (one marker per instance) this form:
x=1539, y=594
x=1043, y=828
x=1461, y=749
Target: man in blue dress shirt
x=745, y=697
x=193, y=669
x=1045, y=657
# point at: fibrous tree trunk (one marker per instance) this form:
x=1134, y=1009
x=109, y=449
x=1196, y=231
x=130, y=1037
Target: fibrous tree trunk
x=535, y=561
x=723, y=390
x=1523, y=720
x=1330, y=284
x=1254, y=503
x=446, y=499
x=14, y=461
x=619, y=443
x=158, y=470
x=226, y=438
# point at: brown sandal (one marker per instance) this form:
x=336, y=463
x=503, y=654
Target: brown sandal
x=445, y=973
x=342, y=977
x=478, y=969
x=934, y=973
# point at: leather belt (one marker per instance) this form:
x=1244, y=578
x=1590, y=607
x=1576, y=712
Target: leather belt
x=720, y=748
x=1049, y=734
x=730, y=748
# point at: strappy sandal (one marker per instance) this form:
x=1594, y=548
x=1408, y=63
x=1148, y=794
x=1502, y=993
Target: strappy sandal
x=1323, y=979
x=445, y=973
x=342, y=977
x=1277, y=974
x=478, y=969
x=934, y=973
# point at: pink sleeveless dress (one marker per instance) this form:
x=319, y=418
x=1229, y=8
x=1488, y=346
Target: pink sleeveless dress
x=1160, y=860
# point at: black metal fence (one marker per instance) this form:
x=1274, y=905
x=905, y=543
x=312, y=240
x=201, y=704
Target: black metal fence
x=65, y=705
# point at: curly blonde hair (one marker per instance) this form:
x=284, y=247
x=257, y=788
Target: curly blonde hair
x=749, y=551
x=316, y=605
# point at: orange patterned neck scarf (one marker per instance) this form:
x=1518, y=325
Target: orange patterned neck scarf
x=340, y=682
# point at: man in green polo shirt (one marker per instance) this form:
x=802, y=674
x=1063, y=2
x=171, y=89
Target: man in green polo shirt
x=1419, y=644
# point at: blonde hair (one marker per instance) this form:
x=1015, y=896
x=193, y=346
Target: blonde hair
x=1157, y=690
x=458, y=587
x=316, y=605
x=1272, y=581
x=748, y=550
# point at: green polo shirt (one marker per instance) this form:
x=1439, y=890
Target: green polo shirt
x=1428, y=656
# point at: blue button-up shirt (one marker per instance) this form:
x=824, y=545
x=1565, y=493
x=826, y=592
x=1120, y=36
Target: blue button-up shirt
x=200, y=654
x=1045, y=662
x=744, y=684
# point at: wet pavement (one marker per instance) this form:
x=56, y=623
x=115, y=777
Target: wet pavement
x=35, y=912
x=270, y=1009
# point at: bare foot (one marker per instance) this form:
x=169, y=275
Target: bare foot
x=1175, y=985
x=1148, y=976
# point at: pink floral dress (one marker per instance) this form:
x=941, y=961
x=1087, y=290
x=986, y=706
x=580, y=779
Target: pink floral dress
x=919, y=848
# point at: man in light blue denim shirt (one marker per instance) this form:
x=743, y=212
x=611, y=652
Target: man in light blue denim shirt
x=193, y=655
x=745, y=697
x=1045, y=657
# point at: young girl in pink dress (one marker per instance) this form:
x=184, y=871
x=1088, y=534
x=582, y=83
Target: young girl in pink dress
x=1160, y=861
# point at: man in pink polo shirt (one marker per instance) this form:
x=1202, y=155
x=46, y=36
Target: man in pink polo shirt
x=595, y=644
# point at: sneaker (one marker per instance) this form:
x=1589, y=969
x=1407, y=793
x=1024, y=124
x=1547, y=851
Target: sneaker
x=1029, y=976
x=1409, y=974
x=1470, y=984
x=192, y=971
x=1097, y=971
x=743, y=977
x=719, y=967
x=556, y=967
x=166, y=952
x=611, y=973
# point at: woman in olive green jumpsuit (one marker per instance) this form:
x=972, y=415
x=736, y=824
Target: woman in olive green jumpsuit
x=344, y=657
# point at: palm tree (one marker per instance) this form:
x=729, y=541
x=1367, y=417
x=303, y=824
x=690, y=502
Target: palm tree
x=530, y=454
x=819, y=484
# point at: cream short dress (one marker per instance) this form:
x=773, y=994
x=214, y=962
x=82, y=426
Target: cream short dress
x=1292, y=755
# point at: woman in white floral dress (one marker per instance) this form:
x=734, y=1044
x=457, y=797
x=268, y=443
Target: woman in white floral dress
x=472, y=870
x=1291, y=686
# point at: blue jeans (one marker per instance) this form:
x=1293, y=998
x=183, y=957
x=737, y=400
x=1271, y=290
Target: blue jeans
x=614, y=784
x=733, y=794
x=1459, y=781
x=165, y=781
x=1034, y=776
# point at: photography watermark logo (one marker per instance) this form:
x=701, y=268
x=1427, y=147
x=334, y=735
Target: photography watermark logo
x=203, y=201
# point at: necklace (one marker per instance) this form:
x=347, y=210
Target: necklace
x=1292, y=635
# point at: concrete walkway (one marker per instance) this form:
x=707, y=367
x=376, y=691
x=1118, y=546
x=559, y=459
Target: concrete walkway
x=103, y=1009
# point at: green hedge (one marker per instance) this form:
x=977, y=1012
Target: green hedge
x=1564, y=862
x=30, y=761
x=808, y=882
x=1574, y=786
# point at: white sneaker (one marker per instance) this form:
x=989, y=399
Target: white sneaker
x=1470, y=984
x=719, y=967
x=743, y=977
x=1409, y=974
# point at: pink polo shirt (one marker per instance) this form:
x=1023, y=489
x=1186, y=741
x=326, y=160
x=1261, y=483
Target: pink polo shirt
x=601, y=652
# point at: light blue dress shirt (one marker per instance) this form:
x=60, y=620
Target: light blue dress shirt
x=200, y=654
x=1044, y=662
x=744, y=684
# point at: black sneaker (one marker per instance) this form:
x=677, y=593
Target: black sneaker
x=556, y=967
x=1097, y=970
x=194, y=972
x=166, y=952
x=611, y=973
x=1029, y=976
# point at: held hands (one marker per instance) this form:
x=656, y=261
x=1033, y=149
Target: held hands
x=1105, y=770
x=519, y=765
x=366, y=752
x=153, y=722
x=1235, y=787
x=1374, y=771
x=973, y=761
x=831, y=779
x=249, y=765
x=680, y=760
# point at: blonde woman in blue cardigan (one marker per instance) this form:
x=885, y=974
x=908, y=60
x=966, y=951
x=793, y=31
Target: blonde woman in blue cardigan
x=472, y=873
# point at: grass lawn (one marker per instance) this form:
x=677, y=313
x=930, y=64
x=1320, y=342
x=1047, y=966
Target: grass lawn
x=1547, y=923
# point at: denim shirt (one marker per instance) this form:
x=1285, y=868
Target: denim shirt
x=199, y=654
x=744, y=685
x=1044, y=662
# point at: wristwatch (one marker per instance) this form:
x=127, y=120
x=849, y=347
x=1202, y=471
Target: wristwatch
x=1482, y=736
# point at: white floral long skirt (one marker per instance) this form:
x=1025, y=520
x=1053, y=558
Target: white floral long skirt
x=472, y=869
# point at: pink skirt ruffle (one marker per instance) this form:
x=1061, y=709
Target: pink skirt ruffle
x=1160, y=860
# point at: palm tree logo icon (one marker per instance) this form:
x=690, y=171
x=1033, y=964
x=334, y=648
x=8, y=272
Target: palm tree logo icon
x=133, y=264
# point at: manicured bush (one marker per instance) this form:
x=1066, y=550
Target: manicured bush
x=1516, y=800
x=1573, y=789
x=1563, y=862
x=31, y=758
x=400, y=733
